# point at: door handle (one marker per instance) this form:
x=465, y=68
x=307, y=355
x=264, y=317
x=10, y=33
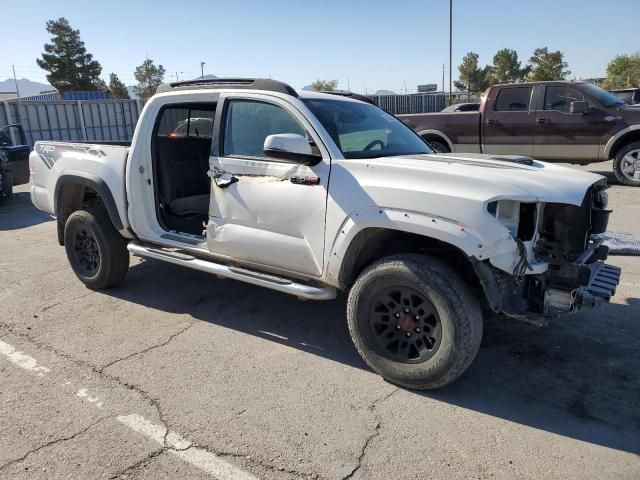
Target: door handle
x=541, y=121
x=492, y=122
x=222, y=179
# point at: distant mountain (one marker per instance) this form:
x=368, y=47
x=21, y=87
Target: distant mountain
x=385, y=92
x=26, y=86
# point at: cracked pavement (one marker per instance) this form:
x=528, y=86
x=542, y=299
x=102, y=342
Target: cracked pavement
x=272, y=387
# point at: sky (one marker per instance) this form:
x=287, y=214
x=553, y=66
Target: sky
x=365, y=45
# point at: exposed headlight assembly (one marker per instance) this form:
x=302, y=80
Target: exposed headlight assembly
x=518, y=217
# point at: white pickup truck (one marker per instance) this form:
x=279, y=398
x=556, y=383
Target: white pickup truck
x=312, y=193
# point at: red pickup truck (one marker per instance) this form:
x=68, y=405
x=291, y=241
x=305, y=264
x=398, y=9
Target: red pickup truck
x=564, y=121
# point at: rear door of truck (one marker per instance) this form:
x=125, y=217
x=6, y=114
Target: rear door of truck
x=508, y=121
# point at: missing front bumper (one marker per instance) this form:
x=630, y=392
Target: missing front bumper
x=602, y=284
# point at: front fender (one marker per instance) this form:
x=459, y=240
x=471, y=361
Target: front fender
x=439, y=228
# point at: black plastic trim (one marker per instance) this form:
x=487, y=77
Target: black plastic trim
x=99, y=186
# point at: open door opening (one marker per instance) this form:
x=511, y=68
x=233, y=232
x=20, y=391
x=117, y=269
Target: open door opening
x=181, y=148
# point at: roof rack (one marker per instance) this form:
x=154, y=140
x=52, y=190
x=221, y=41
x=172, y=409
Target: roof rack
x=347, y=93
x=214, y=83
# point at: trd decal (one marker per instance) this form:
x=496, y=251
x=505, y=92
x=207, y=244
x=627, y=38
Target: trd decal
x=49, y=154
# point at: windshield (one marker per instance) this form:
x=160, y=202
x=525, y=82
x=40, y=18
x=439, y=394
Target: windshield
x=361, y=130
x=605, y=98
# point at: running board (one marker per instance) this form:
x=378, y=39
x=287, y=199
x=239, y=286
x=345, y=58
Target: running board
x=248, y=276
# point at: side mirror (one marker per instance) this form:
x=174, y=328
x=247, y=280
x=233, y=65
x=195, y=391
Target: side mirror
x=291, y=147
x=580, y=107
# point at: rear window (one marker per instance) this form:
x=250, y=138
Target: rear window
x=183, y=122
x=514, y=99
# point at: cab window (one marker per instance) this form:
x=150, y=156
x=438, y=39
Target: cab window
x=515, y=99
x=249, y=122
x=559, y=98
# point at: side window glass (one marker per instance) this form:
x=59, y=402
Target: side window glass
x=559, y=98
x=248, y=123
x=514, y=99
x=186, y=123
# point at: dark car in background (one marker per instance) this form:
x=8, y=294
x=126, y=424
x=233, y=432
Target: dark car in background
x=14, y=159
x=564, y=121
x=629, y=95
x=461, y=107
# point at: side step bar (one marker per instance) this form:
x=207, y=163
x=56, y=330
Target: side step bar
x=236, y=273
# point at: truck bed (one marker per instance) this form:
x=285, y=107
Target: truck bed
x=462, y=128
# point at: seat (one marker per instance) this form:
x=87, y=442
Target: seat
x=194, y=204
x=182, y=175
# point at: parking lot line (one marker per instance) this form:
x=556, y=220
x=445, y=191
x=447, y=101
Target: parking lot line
x=21, y=359
x=184, y=449
x=175, y=443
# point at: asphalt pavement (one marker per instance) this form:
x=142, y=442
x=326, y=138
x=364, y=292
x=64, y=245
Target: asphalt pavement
x=177, y=374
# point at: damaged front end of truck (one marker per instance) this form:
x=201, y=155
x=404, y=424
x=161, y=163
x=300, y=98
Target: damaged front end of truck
x=557, y=268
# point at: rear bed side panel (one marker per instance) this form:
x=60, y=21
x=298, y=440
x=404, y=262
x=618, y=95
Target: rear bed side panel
x=100, y=167
x=460, y=129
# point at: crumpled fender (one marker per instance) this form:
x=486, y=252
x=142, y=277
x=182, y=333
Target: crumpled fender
x=444, y=229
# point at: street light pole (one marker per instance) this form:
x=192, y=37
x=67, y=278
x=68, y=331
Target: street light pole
x=450, y=45
x=15, y=80
x=202, y=69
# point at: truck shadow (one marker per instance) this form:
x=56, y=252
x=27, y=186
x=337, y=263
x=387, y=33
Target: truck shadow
x=18, y=212
x=578, y=377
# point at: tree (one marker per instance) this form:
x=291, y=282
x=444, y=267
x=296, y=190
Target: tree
x=546, y=65
x=324, y=85
x=117, y=89
x=149, y=78
x=472, y=78
x=624, y=71
x=100, y=85
x=507, y=68
x=66, y=59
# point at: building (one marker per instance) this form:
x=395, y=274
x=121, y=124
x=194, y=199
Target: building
x=7, y=95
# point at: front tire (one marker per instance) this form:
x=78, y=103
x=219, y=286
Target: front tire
x=414, y=321
x=626, y=165
x=96, y=251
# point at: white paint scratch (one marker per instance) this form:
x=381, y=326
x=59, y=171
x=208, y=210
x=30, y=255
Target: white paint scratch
x=82, y=393
x=21, y=359
x=184, y=449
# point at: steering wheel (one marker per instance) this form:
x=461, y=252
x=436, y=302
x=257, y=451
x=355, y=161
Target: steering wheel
x=373, y=144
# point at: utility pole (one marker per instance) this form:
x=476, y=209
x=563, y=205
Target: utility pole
x=443, y=89
x=348, y=85
x=405, y=86
x=13, y=67
x=177, y=78
x=202, y=69
x=450, y=46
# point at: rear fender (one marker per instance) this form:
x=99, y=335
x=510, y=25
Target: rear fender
x=99, y=186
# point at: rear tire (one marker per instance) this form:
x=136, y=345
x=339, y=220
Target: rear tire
x=421, y=302
x=96, y=251
x=623, y=165
x=438, y=146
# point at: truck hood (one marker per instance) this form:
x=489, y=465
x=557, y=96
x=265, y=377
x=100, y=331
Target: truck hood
x=487, y=177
